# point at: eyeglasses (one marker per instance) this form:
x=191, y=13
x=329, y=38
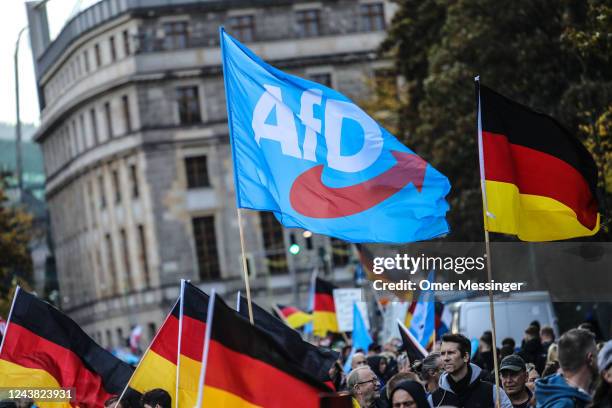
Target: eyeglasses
x=373, y=381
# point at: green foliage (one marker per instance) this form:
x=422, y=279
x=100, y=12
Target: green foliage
x=15, y=261
x=551, y=55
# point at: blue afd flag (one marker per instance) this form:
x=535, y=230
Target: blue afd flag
x=319, y=162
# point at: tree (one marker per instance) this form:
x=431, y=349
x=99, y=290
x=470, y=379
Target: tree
x=526, y=50
x=15, y=261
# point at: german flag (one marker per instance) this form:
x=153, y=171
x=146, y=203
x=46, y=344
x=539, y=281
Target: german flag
x=193, y=328
x=246, y=368
x=540, y=181
x=157, y=368
x=324, y=314
x=43, y=348
x=294, y=317
x=313, y=360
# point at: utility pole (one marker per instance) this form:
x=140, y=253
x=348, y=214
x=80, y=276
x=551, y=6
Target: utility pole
x=18, y=156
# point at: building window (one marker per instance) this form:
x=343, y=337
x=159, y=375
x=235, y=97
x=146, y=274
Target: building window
x=97, y=54
x=197, y=172
x=102, y=194
x=243, y=28
x=109, y=339
x=125, y=103
x=116, y=186
x=134, y=179
x=75, y=138
x=92, y=202
x=322, y=78
x=120, y=339
x=176, y=35
x=126, y=42
x=113, y=52
x=110, y=253
x=341, y=252
x=126, y=260
x=188, y=105
x=94, y=125
x=274, y=243
x=308, y=24
x=142, y=255
x=86, y=60
x=109, y=120
x=206, y=247
x=83, y=133
x=372, y=17
x=152, y=330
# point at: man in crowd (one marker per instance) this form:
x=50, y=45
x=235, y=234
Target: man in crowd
x=578, y=361
x=460, y=384
x=364, y=386
x=359, y=359
x=156, y=398
x=514, y=380
x=532, y=350
x=547, y=336
x=431, y=370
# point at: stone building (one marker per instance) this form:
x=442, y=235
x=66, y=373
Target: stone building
x=135, y=143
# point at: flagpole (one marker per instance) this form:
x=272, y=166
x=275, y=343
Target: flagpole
x=180, y=336
x=238, y=301
x=244, y=267
x=143, y=357
x=8, y=319
x=209, y=323
x=486, y=233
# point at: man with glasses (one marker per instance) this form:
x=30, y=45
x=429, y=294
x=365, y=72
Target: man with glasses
x=364, y=387
x=514, y=381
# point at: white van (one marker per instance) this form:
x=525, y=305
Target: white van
x=513, y=313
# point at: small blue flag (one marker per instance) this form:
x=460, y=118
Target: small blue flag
x=319, y=162
x=422, y=325
x=361, y=337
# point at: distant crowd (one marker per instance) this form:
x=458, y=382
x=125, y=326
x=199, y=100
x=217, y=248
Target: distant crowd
x=575, y=371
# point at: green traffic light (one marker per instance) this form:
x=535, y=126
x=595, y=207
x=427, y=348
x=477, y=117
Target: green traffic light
x=294, y=249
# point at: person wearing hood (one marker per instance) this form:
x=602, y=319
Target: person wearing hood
x=408, y=394
x=578, y=361
x=461, y=384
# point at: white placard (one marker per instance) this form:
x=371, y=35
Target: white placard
x=343, y=300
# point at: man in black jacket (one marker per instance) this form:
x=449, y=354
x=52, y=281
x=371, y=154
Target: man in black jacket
x=461, y=384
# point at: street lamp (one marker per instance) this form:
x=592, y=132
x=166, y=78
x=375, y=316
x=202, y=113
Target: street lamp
x=18, y=158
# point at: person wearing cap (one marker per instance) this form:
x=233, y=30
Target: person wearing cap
x=514, y=381
x=603, y=392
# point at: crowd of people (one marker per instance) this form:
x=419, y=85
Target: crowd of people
x=575, y=371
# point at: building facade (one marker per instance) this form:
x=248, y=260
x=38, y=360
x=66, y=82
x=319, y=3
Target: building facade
x=137, y=157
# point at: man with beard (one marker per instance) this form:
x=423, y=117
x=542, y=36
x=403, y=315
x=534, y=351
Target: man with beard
x=514, y=381
x=364, y=386
x=578, y=361
x=461, y=384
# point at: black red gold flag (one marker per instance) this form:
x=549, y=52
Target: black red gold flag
x=540, y=181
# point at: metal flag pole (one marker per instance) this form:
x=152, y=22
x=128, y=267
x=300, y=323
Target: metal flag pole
x=487, y=245
x=180, y=336
x=209, y=323
x=8, y=319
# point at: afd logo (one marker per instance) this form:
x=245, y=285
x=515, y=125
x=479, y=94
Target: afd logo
x=309, y=196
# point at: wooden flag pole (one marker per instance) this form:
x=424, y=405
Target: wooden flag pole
x=244, y=267
x=487, y=246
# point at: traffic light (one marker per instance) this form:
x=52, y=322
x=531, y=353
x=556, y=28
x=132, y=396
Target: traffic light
x=294, y=248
